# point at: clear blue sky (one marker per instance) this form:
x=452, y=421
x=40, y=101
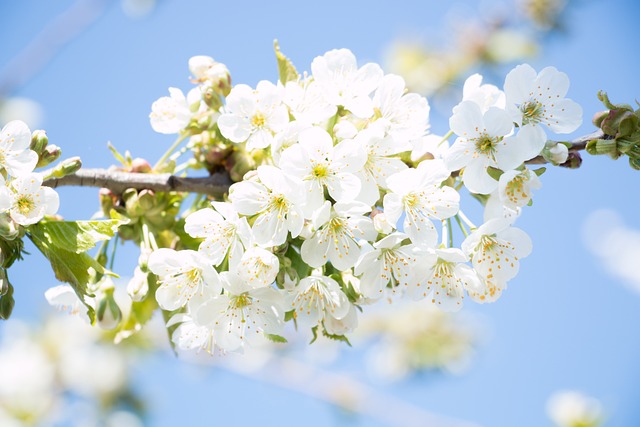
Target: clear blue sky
x=563, y=323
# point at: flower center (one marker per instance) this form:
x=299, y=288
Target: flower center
x=320, y=171
x=443, y=268
x=486, y=144
x=193, y=277
x=515, y=188
x=336, y=225
x=487, y=243
x=241, y=301
x=531, y=112
x=258, y=120
x=25, y=204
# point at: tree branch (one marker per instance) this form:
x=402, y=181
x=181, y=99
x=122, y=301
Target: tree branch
x=117, y=181
x=214, y=185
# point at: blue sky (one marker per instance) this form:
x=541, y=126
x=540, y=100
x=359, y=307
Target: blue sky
x=563, y=322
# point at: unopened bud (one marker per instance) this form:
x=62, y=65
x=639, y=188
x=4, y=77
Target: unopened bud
x=198, y=65
x=287, y=278
x=599, y=117
x=39, y=141
x=380, y=222
x=9, y=230
x=603, y=146
x=7, y=302
x=50, y=154
x=138, y=286
x=67, y=167
x=108, y=313
x=574, y=160
x=107, y=200
x=556, y=153
x=634, y=163
x=4, y=282
x=220, y=79
x=140, y=165
x=147, y=199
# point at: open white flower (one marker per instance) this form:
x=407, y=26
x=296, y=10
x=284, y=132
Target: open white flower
x=182, y=275
x=389, y=261
x=419, y=194
x=30, y=201
x=338, y=231
x=496, y=248
x=307, y=102
x=15, y=155
x=64, y=298
x=402, y=116
x=171, y=114
x=242, y=315
x=317, y=298
x=319, y=164
x=344, y=84
x=485, y=141
x=276, y=201
x=253, y=116
x=539, y=99
x=223, y=232
x=516, y=187
x=485, y=95
x=446, y=277
x=258, y=267
x=379, y=165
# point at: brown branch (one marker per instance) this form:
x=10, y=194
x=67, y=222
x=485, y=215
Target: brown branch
x=214, y=185
x=116, y=181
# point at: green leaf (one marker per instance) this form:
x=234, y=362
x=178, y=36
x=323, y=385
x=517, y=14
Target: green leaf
x=494, y=173
x=76, y=236
x=11, y=250
x=76, y=269
x=540, y=171
x=341, y=338
x=286, y=70
x=289, y=315
x=276, y=338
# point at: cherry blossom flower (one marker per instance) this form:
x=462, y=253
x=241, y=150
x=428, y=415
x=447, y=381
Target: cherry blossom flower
x=30, y=201
x=419, y=194
x=539, y=99
x=485, y=95
x=258, y=267
x=402, y=116
x=171, y=114
x=338, y=230
x=307, y=103
x=445, y=279
x=317, y=298
x=223, y=232
x=253, y=116
x=495, y=249
x=182, y=275
x=485, y=141
x=319, y=164
x=388, y=262
x=242, y=314
x=276, y=201
x=515, y=187
x=15, y=155
x=344, y=84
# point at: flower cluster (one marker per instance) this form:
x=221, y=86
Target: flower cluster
x=23, y=199
x=343, y=196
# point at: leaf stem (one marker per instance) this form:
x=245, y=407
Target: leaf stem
x=171, y=149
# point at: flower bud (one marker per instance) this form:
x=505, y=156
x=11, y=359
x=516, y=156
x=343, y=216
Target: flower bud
x=4, y=282
x=67, y=167
x=573, y=161
x=380, y=222
x=6, y=301
x=50, y=154
x=138, y=286
x=107, y=200
x=147, y=199
x=108, y=312
x=287, y=278
x=9, y=230
x=140, y=165
x=39, y=141
x=220, y=78
x=634, y=163
x=198, y=65
x=556, y=153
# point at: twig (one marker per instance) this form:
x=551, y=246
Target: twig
x=116, y=181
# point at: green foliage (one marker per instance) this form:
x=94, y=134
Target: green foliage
x=6, y=303
x=276, y=338
x=286, y=70
x=64, y=244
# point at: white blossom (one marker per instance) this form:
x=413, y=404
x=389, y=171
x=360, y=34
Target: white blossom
x=15, y=155
x=538, y=100
x=258, y=267
x=319, y=164
x=223, y=232
x=276, y=201
x=419, y=194
x=317, y=298
x=171, y=114
x=30, y=201
x=338, y=230
x=307, y=103
x=182, y=275
x=516, y=187
x=254, y=116
x=344, y=84
x=485, y=95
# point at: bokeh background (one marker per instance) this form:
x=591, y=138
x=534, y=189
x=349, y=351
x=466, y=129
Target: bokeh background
x=567, y=321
